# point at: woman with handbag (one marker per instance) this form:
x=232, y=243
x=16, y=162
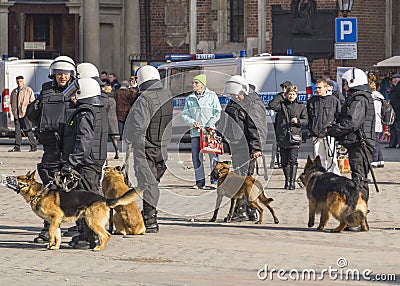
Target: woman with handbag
x=291, y=116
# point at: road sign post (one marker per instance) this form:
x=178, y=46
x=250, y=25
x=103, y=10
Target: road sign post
x=346, y=38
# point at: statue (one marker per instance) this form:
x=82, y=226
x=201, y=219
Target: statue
x=302, y=11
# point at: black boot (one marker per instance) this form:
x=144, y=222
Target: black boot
x=286, y=171
x=240, y=212
x=252, y=213
x=44, y=233
x=71, y=231
x=149, y=214
x=292, y=175
x=86, y=238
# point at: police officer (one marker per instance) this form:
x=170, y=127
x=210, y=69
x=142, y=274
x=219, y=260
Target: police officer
x=83, y=70
x=48, y=114
x=244, y=125
x=148, y=129
x=85, y=144
x=355, y=127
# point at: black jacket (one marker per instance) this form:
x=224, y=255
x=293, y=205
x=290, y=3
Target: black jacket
x=394, y=97
x=321, y=112
x=245, y=122
x=355, y=123
x=285, y=111
x=85, y=137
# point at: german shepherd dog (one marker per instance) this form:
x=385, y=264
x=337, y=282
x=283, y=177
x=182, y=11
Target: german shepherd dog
x=127, y=218
x=56, y=206
x=233, y=186
x=329, y=193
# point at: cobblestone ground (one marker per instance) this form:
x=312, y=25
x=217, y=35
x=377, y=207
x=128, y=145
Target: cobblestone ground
x=191, y=251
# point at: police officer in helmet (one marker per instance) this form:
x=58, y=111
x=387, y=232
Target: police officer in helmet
x=244, y=125
x=85, y=145
x=148, y=129
x=355, y=128
x=48, y=114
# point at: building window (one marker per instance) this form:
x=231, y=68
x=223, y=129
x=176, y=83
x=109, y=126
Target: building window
x=236, y=14
x=39, y=28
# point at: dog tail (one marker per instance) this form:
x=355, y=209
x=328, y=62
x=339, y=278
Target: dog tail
x=125, y=199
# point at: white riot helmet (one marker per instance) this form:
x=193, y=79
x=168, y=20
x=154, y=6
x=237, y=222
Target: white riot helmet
x=146, y=73
x=85, y=70
x=83, y=88
x=62, y=63
x=355, y=77
x=236, y=85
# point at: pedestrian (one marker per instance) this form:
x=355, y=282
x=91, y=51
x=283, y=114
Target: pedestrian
x=378, y=98
x=321, y=110
x=124, y=99
x=104, y=76
x=148, y=129
x=355, y=128
x=244, y=125
x=291, y=116
x=20, y=98
x=283, y=86
x=85, y=146
x=335, y=93
x=48, y=114
x=394, y=97
x=201, y=110
x=114, y=81
x=327, y=77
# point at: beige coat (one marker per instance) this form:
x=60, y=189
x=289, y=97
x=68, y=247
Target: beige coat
x=25, y=97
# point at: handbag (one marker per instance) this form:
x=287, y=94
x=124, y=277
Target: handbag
x=294, y=138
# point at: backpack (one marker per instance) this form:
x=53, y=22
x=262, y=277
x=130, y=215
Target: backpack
x=387, y=113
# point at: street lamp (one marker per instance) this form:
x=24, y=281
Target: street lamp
x=345, y=6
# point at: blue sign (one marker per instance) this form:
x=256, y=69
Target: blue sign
x=346, y=30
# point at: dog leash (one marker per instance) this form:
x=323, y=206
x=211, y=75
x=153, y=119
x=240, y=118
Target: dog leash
x=369, y=167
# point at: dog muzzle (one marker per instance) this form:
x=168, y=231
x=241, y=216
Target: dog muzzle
x=12, y=183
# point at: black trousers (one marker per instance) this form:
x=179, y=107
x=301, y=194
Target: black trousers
x=289, y=156
x=240, y=155
x=360, y=158
x=90, y=178
x=51, y=160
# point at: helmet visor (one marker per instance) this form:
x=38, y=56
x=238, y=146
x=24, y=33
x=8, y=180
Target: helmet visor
x=70, y=91
x=232, y=88
x=58, y=71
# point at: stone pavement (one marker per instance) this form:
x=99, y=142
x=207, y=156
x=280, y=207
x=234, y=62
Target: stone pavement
x=191, y=251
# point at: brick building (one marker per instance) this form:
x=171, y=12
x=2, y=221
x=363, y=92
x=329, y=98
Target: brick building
x=110, y=33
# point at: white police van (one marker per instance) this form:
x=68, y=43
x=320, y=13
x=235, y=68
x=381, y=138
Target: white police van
x=265, y=72
x=35, y=73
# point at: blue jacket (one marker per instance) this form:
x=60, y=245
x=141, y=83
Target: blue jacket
x=206, y=109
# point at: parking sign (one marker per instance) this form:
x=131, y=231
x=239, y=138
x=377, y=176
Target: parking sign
x=346, y=30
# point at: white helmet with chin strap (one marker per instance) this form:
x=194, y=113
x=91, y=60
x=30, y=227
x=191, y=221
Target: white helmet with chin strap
x=85, y=70
x=236, y=85
x=147, y=73
x=64, y=64
x=355, y=77
x=83, y=88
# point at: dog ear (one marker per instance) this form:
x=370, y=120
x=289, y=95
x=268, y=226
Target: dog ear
x=31, y=175
x=118, y=168
x=309, y=161
x=318, y=161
